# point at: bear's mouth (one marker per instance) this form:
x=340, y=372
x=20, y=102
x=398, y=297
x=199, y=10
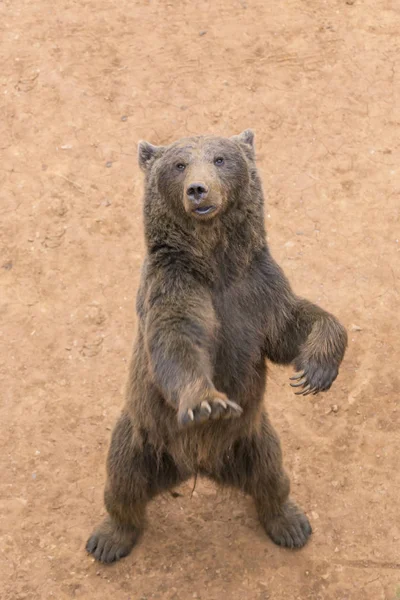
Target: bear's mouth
x=204, y=210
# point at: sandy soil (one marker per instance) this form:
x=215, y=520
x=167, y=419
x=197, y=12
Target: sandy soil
x=80, y=84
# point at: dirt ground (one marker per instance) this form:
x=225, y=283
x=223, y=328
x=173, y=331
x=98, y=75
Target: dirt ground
x=80, y=83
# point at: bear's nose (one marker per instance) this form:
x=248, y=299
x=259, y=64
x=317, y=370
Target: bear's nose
x=197, y=192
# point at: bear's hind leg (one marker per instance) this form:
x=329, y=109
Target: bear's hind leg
x=254, y=465
x=135, y=475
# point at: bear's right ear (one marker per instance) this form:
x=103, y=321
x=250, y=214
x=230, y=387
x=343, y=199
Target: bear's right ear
x=147, y=153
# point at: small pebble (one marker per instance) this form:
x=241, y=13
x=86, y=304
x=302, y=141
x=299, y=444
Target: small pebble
x=356, y=328
x=203, y=32
x=334, y=408
x=124, y=118
x=7, y=265
x=108, y=164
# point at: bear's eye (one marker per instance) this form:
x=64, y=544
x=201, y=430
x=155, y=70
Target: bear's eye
x=219, y=161
x=180, y=166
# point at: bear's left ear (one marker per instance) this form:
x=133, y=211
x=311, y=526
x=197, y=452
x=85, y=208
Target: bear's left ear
x=247, y=138
x=147, y=153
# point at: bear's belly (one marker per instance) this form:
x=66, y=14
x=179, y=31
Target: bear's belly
x=239, y=360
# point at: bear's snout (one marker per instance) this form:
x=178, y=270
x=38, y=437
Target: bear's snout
x=201, y=200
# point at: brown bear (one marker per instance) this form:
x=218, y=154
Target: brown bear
x=212, y=306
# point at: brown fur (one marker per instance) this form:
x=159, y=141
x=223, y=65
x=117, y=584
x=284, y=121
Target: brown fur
x=212, y=306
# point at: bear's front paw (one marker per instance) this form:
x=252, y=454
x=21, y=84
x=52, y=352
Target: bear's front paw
x=212, y=405
x=313, y=376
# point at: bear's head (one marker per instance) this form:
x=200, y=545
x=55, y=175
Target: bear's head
x=199, y=178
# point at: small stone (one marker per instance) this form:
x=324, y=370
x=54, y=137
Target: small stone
x=356, y=328
x=124, y=118
x=33, y=475
x=201, y=33
x=109, y=164
x=336, y=549
x=237, y=514
x=334, y=408
x=350, y=2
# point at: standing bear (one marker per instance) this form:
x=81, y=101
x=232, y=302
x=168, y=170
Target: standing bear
x=212, y=306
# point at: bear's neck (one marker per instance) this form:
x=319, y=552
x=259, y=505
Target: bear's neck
x=225, y=245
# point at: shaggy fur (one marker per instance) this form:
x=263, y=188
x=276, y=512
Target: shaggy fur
x=212, y=306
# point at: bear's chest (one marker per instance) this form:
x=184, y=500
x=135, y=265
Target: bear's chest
x=240, y=339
